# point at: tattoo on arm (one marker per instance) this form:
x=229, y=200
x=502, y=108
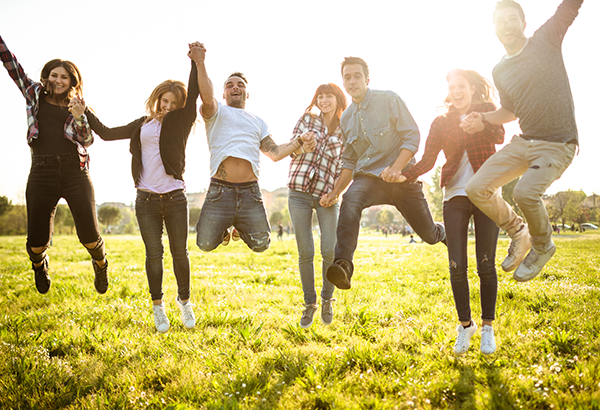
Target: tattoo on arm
x=221, y=173
x=268, y=145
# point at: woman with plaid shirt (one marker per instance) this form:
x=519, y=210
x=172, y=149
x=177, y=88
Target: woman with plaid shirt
x=58, y=134
x=465, y=153
x=311, y=176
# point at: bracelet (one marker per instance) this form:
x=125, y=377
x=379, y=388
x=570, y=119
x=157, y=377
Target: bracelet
x=302, y=149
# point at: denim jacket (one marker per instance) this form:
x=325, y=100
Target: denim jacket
x=375, y=131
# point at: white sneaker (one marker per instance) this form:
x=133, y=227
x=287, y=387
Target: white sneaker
x=463, y=339
x=533, y=264
x=308, y=313
x=161, y=321
x=520, y=243
x=187, y=314
x=488, y=344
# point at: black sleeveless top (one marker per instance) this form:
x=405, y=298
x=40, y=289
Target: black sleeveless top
x=51, y=139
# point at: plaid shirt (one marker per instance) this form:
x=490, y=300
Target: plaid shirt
x=315, y=172
x=445, y=134
x=76, y=131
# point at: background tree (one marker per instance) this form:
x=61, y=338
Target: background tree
x=109, y=215
x=573, y=210
x=508, y=195
x=385, y=217
x=194, y=216
x=14, y=222
x=63, y=220
x=5, y=205
x=275, y=218
x=437, y=195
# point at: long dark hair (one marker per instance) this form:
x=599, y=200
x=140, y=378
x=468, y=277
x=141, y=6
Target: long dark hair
x=76, y=88
x=340, y=98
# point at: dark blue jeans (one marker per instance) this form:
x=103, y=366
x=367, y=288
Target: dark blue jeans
x=152, y=210
x=240, y=205
x=457, y=213
x=368, y=191
x=51, y=178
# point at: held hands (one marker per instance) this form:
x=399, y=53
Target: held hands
x=77, y=106
x=197, y=52
x=309, y=142
x=328, y=199
x=472, y=123
x=392, y=175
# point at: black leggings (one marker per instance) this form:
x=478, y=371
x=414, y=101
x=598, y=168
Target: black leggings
x=51, y=178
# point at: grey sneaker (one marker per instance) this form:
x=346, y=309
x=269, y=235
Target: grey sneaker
x=161, y=321
x=488, y=344
x=327, y=311
x=463, y=338
x=307, y=315
x=520, y=243
x=42, y=279
x=533, y=264
x=340, y=274
x=187, y=314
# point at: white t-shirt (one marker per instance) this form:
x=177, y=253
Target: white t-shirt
x=154, y=178
x=234, y=132
x=458, y=183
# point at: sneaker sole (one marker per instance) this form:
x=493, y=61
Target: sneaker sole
x=528, y=278
x=337, y=275
x=306, y=326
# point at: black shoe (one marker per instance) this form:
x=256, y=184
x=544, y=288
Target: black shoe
x=42, y=279
x=340, y=273
x=101, y=279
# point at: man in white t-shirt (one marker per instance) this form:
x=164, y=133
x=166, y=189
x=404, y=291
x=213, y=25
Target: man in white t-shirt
x=235, y=139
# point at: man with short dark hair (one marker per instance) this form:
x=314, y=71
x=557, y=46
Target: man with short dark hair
x=380, y=139
x=534, y=87
x=235, y=139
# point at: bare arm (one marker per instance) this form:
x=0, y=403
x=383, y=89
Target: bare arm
x=207, y=94
x=340, y=186
x=278, y=152
x=473, y=122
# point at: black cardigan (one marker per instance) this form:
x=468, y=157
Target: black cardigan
x=174, y=133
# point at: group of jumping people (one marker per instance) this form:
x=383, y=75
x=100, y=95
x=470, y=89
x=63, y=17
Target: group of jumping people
x=363, y=152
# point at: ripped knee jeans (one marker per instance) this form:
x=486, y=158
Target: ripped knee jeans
x=233, y=204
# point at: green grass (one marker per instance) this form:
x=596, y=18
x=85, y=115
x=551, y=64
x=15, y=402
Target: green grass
x=389, y=347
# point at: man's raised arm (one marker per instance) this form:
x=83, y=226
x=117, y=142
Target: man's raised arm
x=207, y=94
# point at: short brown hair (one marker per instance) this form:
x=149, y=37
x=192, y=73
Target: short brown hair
x=356, y=60
x=504, y=4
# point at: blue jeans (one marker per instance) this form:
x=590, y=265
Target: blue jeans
x=301, y=207
x=151, y=211
x=457, y=213
x=237, y=204
x=368, y=191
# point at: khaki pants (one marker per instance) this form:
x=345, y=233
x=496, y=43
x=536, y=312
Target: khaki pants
x=539, y=163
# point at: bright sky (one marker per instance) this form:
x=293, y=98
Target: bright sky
x=286, y=49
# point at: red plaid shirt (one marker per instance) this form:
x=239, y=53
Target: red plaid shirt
x=76, y=131
x=315, y=172
x=445, y=134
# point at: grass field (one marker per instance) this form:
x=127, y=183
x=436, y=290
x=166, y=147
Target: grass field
x=390, y=346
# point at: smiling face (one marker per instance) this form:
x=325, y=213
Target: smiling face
x=234, y=92
x=60, y=81
x=510, y=29
x=460, y=93
x=327, y=103
x=168, y=102
x=355, y=82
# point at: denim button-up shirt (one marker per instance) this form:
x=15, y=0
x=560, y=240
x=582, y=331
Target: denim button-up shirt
x=374, y=132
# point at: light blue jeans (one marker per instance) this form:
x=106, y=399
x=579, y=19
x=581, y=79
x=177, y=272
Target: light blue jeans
x=301, y=207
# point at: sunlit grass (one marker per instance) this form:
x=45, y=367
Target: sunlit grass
x=390, y=345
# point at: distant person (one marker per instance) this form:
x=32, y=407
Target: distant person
x=157, y=145
x=58, y=135
x=467, y=91
x=380, y=139
x=412, y=240
x=279, y=231
x=235, y=139
x=534, y=87
x=312, y=175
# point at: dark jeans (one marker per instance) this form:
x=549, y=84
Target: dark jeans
x=457, y=213
x=151, y=211
x=240, y=205
x=51, y=178
x=368, y=191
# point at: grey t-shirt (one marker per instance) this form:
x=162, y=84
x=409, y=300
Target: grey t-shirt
x=534, y=84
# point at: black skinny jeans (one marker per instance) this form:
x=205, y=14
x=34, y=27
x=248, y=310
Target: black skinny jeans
x=51, y=178
x=457, y=213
